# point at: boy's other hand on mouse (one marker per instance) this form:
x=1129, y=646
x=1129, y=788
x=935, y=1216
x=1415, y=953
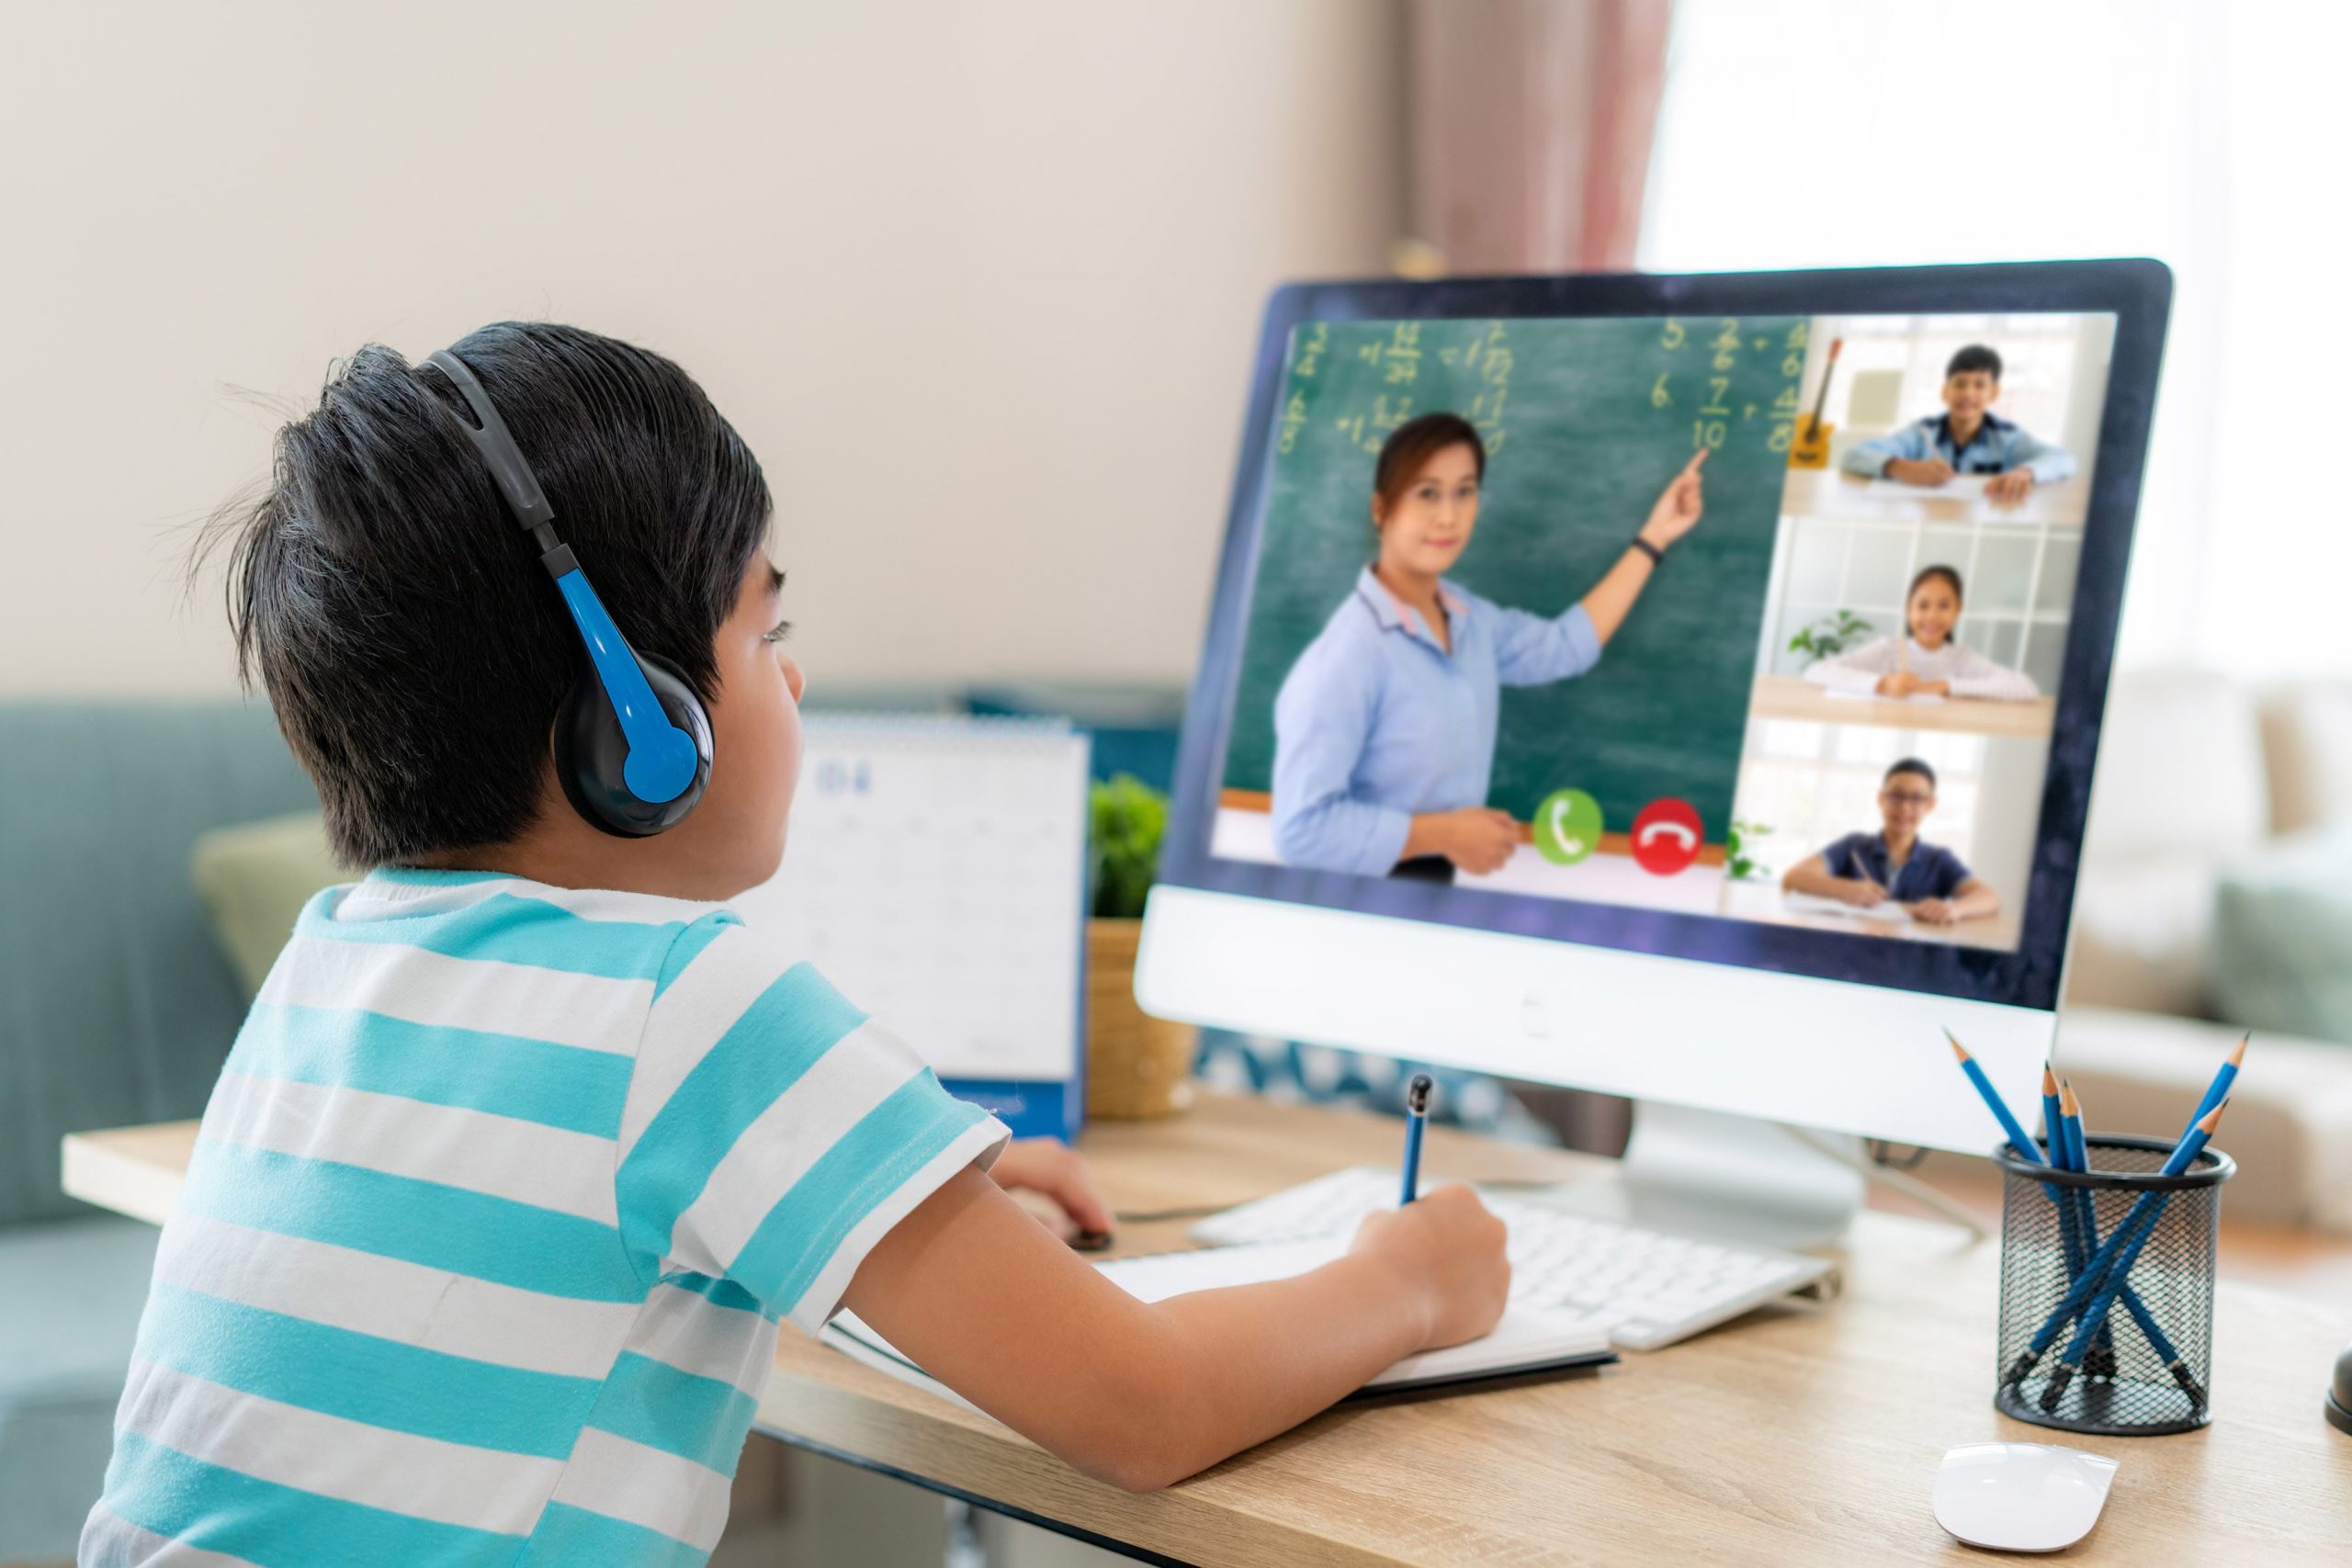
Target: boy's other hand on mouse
x=1053, y=1170
x=1928, y=472
x=1445, y=1245
x=2010, y=488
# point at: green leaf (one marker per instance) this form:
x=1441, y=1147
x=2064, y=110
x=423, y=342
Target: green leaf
x=1127, y=819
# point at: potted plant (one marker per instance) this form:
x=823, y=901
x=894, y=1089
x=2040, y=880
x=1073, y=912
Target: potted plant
x=1739, y=864
x=1137, y=1066
x=1831, y=635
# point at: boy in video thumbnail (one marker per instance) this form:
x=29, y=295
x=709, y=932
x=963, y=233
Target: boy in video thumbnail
x=1968, y=437
x=1895, y=863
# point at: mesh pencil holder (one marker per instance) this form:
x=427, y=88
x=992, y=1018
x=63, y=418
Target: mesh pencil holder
x=2107, y=1290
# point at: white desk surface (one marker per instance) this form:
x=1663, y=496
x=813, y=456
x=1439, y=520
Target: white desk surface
x=1764, y=901
x=1793, y=696
x=1828, y=492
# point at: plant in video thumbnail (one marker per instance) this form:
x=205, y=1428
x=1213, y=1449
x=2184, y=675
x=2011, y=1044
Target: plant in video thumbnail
x=1831, y=635
x=1738, y=865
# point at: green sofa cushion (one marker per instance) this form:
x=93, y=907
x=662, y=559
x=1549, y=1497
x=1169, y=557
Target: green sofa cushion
x=255, y=878
x=115, y=1005
x=2282, y=929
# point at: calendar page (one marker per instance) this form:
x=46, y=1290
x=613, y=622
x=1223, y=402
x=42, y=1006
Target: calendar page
x=936, y=872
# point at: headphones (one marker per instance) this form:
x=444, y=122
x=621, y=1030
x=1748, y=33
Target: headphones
x=632, y=746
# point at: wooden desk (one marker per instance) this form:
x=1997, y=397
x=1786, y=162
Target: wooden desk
x=1799, y=1435
x=1831, y=492
x=1793, y=696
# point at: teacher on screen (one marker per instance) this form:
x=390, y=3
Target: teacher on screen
x=1384, y=728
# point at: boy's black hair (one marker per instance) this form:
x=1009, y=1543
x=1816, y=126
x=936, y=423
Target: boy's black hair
x=411, y=643
x=1975, y=356
x=1911, y=765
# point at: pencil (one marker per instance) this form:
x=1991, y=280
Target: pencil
x=2143, y=1210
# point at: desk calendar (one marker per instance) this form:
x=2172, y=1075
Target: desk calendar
x=936, y=871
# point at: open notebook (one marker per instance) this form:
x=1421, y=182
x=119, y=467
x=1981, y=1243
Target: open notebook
x=1885, y=910
x=1527, y=1339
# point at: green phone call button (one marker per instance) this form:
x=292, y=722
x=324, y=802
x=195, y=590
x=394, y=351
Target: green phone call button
x=1567, y=827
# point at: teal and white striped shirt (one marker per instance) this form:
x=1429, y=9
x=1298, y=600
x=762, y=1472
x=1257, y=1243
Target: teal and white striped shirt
x=493, y=1214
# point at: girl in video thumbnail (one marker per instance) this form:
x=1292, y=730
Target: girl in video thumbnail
x=1925, y=661
x=1384, y=728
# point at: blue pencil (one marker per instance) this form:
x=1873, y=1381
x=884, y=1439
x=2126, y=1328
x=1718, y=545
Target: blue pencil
x=2062, y=1154
x=2219, y=1091
x=1417, y=1110
x=2076, y=1155
x=2094, y=1275
x=2072, y=1210
x=2024, y=1146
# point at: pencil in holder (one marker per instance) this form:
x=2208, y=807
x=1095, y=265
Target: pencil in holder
x=2107, y=1290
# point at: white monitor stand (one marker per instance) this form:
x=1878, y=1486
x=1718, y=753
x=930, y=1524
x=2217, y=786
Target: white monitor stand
x=1707, y=1173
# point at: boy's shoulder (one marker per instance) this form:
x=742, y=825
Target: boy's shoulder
x=612, y=953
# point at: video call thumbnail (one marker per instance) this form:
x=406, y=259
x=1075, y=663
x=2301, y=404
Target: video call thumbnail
x=1752, y=617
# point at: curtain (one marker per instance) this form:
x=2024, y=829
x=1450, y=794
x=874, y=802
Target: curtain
x=1532, y=129
x=2018, y=129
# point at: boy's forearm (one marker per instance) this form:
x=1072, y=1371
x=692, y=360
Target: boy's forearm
x=1237, y=1365
x=1805, y=877
x=976, y=1293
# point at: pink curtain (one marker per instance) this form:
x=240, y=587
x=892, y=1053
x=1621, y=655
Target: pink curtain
x=1531, y=122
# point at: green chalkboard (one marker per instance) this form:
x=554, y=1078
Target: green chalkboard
x=1584, y=421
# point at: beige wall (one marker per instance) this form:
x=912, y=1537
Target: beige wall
x=979, y=282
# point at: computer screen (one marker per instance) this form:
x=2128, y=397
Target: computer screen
x=1758, y=621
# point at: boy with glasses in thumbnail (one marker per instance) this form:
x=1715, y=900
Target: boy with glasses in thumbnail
x=1895, y=863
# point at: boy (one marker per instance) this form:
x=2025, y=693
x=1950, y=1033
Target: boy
x=1866, y=869
x=1966, y=438
x=528, y=1146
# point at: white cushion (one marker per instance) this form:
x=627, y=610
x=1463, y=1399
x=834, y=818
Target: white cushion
x=2142, y=932
x=2307, y=735
x=2180, y=767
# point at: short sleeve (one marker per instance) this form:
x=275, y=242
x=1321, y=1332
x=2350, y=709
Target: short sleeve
x=1950, y=871
x=772, y=1133
x=1839, y=858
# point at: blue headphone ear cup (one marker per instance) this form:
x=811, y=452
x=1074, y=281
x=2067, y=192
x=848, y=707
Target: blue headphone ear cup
x=590, y=749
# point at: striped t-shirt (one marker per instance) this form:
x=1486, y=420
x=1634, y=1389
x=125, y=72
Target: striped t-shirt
x=493, y=1214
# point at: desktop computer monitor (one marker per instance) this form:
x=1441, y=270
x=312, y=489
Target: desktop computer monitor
x=1748, y=830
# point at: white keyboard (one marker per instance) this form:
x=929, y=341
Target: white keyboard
x=1648, y=1288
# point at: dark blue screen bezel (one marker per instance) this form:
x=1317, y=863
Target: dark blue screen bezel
x=2138, y=293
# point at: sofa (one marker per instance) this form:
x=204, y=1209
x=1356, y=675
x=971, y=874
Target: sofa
x=116, y=1007
x=2211, y=796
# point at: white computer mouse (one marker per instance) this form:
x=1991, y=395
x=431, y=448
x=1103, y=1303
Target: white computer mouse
x=2021, y=1496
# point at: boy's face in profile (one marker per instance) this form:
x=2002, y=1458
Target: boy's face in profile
x=738, y=830
x=1968, y=393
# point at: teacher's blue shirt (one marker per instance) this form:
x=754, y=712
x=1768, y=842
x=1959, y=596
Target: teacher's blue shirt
x=1376, y=722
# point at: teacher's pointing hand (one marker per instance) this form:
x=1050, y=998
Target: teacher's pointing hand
x=1677, y=508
